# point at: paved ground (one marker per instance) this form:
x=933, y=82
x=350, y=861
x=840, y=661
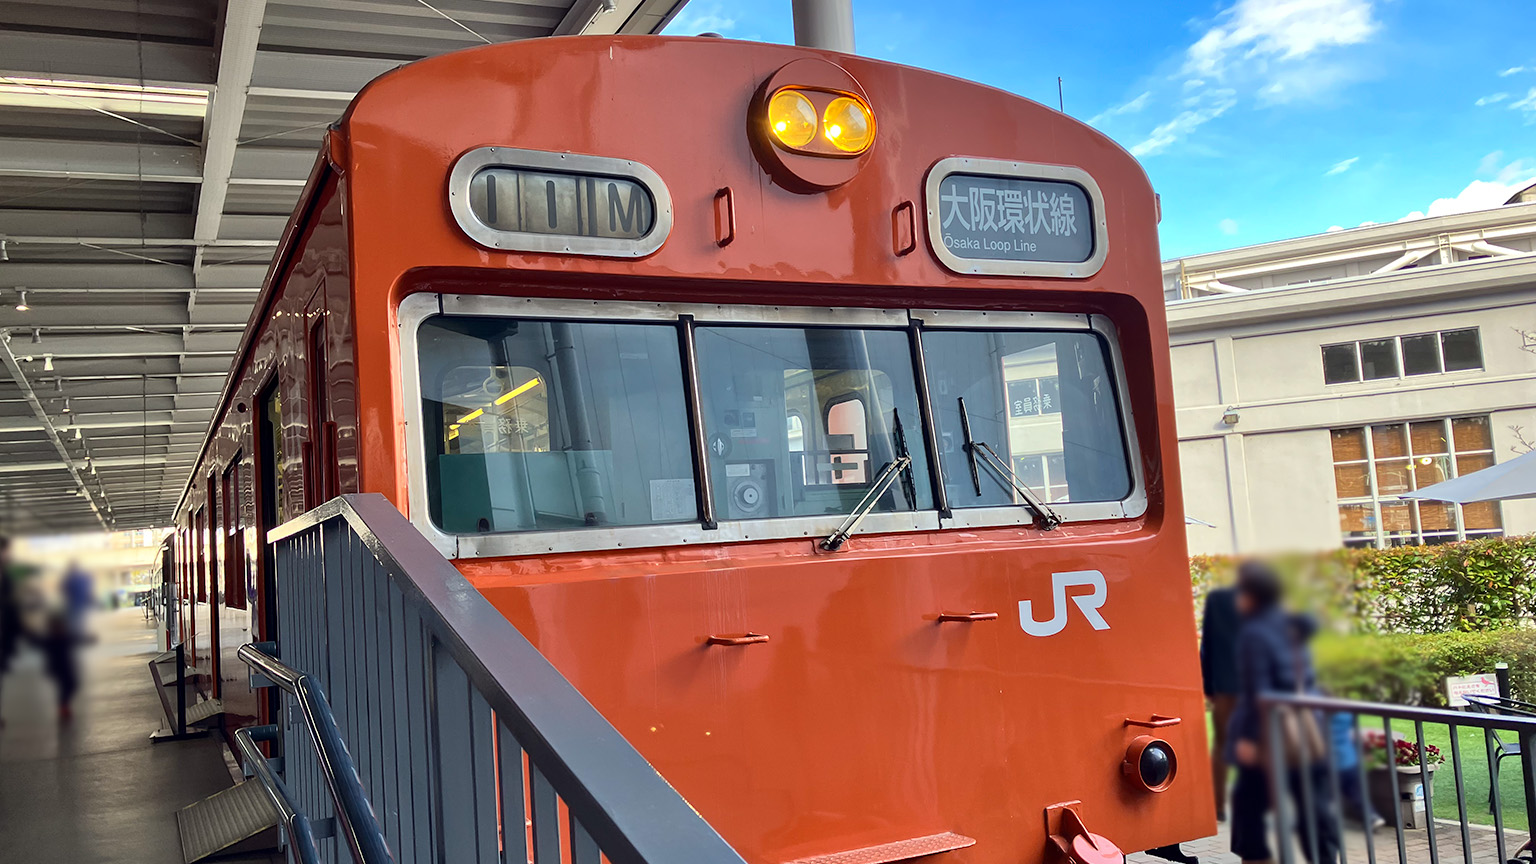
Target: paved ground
x=96, y=789
x=1448, y=841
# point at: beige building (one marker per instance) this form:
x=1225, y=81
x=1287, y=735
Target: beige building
x=1317, y=379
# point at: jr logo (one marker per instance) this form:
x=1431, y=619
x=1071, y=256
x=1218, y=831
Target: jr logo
x=1089, y=603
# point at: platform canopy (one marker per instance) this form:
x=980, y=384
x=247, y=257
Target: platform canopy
x=150, y=153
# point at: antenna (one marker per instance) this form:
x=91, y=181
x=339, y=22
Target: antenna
x=1061, y=102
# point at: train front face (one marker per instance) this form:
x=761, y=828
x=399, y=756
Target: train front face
x=673, y=311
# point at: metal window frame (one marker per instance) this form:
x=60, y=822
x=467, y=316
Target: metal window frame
x=1376, y=499
x=474, y=161
x=415, y=309
x=1024, y=171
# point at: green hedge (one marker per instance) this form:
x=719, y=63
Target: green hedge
x=1411, y=668
x=1477, y=585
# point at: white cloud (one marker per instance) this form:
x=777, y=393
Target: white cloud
x=1274, y=51
x=1227, y=226
x=1341, y=166
x=1526, y=106
x=696, y=19
x=1216, y=103
x=1491, y=99
x=1513, y=70
x=1131, y=107
x=1278, y=30
x=1507, y=179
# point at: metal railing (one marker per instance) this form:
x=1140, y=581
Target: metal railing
x=355, y=817
x=296, y=828
x=463, y=737
x=1306, y=787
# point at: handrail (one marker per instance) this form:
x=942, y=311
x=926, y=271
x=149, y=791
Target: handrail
x=300, y=833
x=357, y=818
x=630, y=812
x=1492, y=722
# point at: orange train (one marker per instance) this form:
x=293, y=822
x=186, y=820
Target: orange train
x=812, y=414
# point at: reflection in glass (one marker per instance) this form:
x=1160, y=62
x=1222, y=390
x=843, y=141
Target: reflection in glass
x=1421, y=354
x=1378, y=359
x=1341, y=363
x=1471, y=433
x=1463, y=350
x=853, y=401
x=1042, y=399
x=542, y=425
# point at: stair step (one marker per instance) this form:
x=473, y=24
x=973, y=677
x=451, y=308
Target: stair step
x=224, y=819
x=204, y=710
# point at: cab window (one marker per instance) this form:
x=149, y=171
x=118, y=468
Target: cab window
x=800, y=421
x=535, y=425
x=1044, y=401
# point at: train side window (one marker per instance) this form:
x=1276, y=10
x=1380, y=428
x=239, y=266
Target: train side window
x=549, y=425
x=799, y=420
x=1045, y=401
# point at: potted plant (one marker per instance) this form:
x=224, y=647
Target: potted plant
x=1402, y=757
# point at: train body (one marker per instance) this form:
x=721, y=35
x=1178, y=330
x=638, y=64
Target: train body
x=630, y=352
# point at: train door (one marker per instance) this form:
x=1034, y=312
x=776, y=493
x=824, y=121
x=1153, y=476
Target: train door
x=211, y=536
x=235, y=620
x=268, y=467
x=320, y=469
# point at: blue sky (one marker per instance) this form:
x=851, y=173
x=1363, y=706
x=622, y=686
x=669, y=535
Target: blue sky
x=1257, y=120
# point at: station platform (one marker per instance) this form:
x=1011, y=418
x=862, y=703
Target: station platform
x=95, y=789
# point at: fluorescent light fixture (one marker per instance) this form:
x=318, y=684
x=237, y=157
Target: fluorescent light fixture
x=19, y=92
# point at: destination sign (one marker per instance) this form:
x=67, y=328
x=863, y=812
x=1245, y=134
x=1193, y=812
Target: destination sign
x=559, y=203
x=1001, y=218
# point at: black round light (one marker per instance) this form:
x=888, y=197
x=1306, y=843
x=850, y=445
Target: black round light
x=1156, y=765
x=1150, y=763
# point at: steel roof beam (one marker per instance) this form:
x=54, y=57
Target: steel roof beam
x=134, y=275
x=221, y=130
x=20, y=377
x=108, y=60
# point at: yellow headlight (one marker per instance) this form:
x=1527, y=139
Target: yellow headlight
x=792, y=118
x=847, y=124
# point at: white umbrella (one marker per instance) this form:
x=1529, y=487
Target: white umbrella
x=1513, y=479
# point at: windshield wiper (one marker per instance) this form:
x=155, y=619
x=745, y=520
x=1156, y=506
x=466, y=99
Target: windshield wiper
x=1045, y=517
x=888, y=475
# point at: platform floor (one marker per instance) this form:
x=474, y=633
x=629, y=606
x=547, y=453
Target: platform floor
x=95, y=789
x=1483, y=846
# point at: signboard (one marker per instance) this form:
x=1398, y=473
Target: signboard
x=559, y=203
x=1484, y=684
x=1015, y=218
x=541, y=202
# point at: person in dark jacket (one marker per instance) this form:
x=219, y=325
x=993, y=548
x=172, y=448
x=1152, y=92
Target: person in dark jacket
x=1218, y=672
x=1272, y=657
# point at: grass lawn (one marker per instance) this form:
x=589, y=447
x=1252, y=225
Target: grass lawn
x=1474, y=772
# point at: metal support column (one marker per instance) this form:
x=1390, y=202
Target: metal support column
x=824, y=24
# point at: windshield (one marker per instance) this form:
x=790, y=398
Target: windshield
x=541, y=425
x=549, y=425
x=799, y=421
x=1045, y=401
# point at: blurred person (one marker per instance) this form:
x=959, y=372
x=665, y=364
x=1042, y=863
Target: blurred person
x=78, y=593
x=1272, y=657
x=1218, y=673
x=10, y=614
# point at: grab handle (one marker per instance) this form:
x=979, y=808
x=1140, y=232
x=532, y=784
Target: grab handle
x=742, y=639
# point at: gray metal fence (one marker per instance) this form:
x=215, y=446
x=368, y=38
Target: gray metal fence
x=1308, y=775
x=465, y=739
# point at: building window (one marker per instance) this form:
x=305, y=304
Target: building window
x=1402, y=356
x=1374, y=465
